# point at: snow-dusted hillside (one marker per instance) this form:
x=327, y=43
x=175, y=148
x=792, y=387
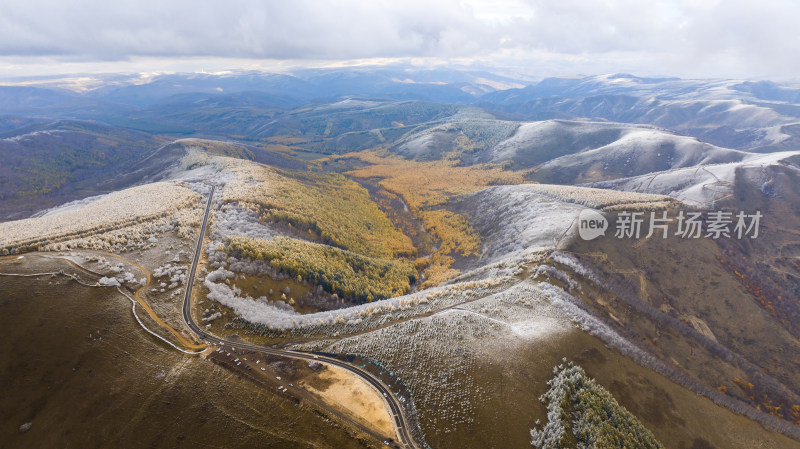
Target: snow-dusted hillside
x=703, y=185
x=470, y=130
x=538, y=142
x=637, y=151
x=125, y=208
x=569, y=152
x=516, y=220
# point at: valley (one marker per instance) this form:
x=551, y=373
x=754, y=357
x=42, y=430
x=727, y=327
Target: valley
x=397, y=266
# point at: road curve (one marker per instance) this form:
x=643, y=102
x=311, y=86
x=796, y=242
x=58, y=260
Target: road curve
x=394, y=404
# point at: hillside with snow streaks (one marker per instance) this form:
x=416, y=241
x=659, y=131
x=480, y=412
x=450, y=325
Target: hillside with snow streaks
x=567, y=152
x=520, y=219
x=703, y=185
x=636, y=152
x=537, y=142
x=758, y=116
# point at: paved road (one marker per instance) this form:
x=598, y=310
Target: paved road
x=394, y=404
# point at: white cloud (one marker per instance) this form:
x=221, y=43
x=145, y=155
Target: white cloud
x=684, y=37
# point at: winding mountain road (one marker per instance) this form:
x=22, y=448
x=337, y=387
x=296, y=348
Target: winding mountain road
x=401, y=423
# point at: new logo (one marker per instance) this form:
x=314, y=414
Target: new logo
x=591, y=224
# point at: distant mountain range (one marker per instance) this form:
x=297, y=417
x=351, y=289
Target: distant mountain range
x=757, y=116
x=57, y=139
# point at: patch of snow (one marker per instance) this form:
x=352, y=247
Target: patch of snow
x=235, y=221
x=220, y=274
x=109, y=282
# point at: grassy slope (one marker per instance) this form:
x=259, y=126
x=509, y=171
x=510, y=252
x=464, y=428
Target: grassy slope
x=690, y=302
x=78, y=389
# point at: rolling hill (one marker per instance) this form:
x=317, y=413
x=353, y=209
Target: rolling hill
x=48, y=163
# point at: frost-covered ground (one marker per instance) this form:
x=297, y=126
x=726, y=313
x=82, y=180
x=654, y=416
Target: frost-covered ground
x=432, y=339
x=277, y=318
x=111, y=221
x=519, y=224
x=239, y=183
x=436, y=356
x=486, y=132
x=233, y=220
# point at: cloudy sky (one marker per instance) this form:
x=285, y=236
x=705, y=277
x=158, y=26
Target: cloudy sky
x=689, y=38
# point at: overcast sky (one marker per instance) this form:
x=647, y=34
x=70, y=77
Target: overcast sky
x=688, y=38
